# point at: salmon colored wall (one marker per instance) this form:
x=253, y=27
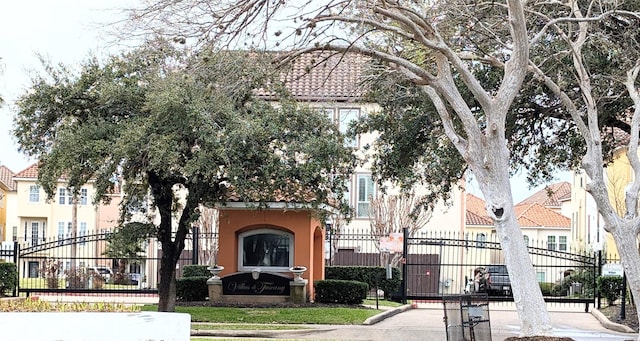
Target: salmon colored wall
x=308, y=238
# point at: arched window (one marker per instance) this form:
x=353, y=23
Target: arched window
x=268, y=249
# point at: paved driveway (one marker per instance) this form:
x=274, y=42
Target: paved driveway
x=426, y=323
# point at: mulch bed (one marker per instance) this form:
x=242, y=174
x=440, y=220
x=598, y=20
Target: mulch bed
x=613, y=314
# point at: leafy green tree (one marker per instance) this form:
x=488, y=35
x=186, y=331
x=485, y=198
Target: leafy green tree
x=179, y=128
x=471, y=60
x=125, y=245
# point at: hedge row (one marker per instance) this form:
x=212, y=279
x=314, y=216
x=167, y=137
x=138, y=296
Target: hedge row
x=8, y=278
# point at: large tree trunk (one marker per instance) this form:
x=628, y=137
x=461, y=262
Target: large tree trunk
x=167, y=285
x=627, y=243
x=527, y=296
x=489, y=160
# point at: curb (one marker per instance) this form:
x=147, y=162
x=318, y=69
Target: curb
x=605, y=322
x=386, y=314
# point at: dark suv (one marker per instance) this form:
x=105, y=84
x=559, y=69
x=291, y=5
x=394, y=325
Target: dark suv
x=498, y=278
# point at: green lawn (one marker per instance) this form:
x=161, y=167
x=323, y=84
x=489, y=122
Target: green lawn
x=320, y=315
x=242, y=326
x=40, y=283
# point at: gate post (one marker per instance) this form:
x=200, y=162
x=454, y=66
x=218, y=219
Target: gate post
x=195, y=235
x=16, y=251
x=597, y=274
x=405, y=251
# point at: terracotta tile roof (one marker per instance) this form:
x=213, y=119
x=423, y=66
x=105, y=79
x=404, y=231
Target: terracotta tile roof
x=30, y=172
x=474, y=219
x=323, y=76
x=528, y=215
x=536, y=215
x=476, y=212
x=6, y=178
x=476, y=205
x=550, y=196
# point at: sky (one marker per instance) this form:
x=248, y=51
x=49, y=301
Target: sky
x=63, y=31
x=68, y=32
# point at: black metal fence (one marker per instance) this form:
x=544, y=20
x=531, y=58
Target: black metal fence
x=439, y=263
x=64, y=265
x=436, y=264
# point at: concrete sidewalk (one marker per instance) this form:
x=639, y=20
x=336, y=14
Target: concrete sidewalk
x=426, y=322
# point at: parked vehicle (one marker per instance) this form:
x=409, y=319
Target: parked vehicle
x=498, y=280
x=103, y=271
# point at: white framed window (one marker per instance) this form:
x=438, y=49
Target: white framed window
x=64, y=196
x=35, y=233
x=347, y=192
x=551, y=243
x=267, y=249
x=83, y=232
x=84, y=194
x=345, y=117
x=562, y=243
x=366, y=191
x=526, y=240
x=481, y=240
x=34, y=193
x=60, y=232
x=541, y=276
x=329, y=112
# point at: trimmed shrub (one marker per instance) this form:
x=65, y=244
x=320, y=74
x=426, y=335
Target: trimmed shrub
x=584, y=276
x=610, y=288
x=8, y=278
x=195, y=271
x=559, y=290
x=340, y=291
x=369, y=275
x=192, y=288
x=546, y=288
x=80, y=278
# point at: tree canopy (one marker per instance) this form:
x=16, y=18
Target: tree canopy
x=471, y=59
x=179, y=128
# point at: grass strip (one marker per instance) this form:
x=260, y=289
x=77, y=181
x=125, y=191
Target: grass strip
x=319, y=315
x=238, y=326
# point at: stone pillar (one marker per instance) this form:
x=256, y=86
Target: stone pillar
x=215, y=290
x=298, y=291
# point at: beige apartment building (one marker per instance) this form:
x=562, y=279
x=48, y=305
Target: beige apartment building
x=39, y=223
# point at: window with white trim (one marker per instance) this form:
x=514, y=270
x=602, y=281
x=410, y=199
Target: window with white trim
x=329, y=112
x=35, y=233
x=481, y=240
x=34, y=193
x=84, y=194
x=366, y=191
x=64, y=196
x=60, y=232
x=562, y=243
x=345, y=117
x=83, y=232
x=551, y=243
x=541, y=276
x=267, y=249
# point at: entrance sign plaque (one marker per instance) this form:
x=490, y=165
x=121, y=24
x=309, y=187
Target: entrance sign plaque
x=242, y=283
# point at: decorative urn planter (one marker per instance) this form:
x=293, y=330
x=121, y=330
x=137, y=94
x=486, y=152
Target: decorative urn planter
x=215, y=271
x=297, y=271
